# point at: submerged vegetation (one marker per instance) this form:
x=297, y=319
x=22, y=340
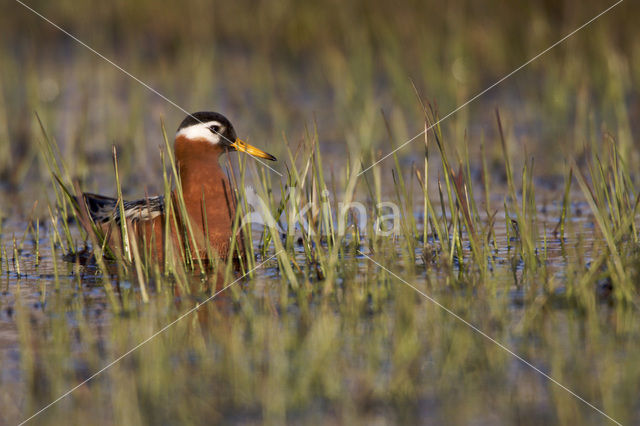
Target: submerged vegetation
x=412, y=289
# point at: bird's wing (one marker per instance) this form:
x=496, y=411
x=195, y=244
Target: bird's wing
x=104, y=209
x=144, y=209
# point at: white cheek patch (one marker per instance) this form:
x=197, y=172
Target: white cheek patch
x=200, y=131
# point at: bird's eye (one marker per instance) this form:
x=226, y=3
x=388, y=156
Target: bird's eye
x=215, y=128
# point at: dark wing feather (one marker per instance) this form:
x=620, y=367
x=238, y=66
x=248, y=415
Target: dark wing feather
x=104, y=209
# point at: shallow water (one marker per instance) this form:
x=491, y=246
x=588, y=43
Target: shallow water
x=36, y=282
x=512, y=308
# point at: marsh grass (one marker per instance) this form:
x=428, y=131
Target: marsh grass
x=320, y=334
x=320, y=273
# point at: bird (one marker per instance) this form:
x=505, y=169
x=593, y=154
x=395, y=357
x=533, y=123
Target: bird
x=201, y=139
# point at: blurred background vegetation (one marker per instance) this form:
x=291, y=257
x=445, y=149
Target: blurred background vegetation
x=276, y=67
x=360, y=348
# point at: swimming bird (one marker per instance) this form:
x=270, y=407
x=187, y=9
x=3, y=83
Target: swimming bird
x=209, y=201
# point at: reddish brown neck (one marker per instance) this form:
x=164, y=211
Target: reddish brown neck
x=205, y=186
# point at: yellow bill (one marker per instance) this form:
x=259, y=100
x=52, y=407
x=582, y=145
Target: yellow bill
x=242, y=146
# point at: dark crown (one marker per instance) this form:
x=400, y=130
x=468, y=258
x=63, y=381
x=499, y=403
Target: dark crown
x=203, y=117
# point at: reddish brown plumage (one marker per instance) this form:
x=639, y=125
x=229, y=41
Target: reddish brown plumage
x=206, y=190
x=209, y=202
x=209, y=199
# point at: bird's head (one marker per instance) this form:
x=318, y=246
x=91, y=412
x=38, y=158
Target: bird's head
x=215, y=129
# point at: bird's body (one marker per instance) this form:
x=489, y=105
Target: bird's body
x=208, y=197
